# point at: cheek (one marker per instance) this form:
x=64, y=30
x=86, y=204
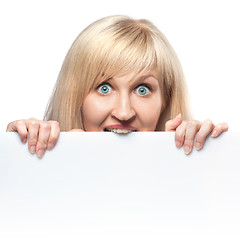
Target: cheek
x=149, y=113
x=94, y=111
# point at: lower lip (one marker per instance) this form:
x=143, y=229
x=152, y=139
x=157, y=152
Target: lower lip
x=122, y=127
x=119, y=131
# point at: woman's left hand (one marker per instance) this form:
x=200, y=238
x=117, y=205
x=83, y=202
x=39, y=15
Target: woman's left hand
x=185, y=132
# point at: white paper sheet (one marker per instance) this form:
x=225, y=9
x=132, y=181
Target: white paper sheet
x=107, y=186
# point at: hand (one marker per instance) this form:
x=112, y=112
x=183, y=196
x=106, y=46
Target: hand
x=76, y=130
x=42, y=134
x=187, y=130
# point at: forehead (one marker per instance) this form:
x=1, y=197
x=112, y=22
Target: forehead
x=132, y=76
x=143, y=72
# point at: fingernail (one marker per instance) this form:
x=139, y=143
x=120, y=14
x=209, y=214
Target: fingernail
x=32, y=149
x=178, y=144
x=50, y=146
x=187, y=149
x=214, y=133
x=198, y=145
x=24, y=140
x=40, y=153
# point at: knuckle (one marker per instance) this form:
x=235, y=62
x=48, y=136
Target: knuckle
x=200, y=137
x=222, y=126
x=226, y=126
x=42, y=144
x=208, y=122
x=32, y=142
x=32, y=119
x=9, y=126
x=179, y=135
x=34, y=123
x=181, y=130
x=188, y=142
x=167, y=125
x=55, y=124
x=192, y=123
x=45, y=126
x=189, y=138
x=19, y=123
x=53, y=139
x=32, y=138
x=184, y=123
x=218, y=128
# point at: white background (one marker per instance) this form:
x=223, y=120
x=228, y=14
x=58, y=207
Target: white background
x=36, y=35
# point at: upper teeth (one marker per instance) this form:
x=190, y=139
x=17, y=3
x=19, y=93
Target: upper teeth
x=116, y=130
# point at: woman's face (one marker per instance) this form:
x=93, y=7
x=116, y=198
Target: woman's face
x=123, y=104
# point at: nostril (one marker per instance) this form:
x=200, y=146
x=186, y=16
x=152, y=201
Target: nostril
x=125, y=114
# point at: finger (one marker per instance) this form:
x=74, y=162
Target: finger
x=76, y=130
x=191, y=130
x=19, y=127
x=43, y=136
x=180, y=134
x=54, y=135
x=172, y=124
x=219, y=128
x=204, y=131
x=33, y=129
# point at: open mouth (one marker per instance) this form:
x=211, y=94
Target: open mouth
x=117, y=130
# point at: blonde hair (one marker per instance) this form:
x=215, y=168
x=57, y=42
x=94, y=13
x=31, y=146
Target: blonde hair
x=114, y=46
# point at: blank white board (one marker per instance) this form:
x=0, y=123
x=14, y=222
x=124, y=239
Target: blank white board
x=109, y=186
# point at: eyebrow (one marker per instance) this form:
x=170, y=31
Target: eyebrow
x=140, y=79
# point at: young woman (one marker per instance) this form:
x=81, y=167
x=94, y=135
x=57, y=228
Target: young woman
x=120, y=75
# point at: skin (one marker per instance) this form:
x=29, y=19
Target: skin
x=132, y=101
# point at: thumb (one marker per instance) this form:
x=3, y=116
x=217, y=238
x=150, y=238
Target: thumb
x=172, y=124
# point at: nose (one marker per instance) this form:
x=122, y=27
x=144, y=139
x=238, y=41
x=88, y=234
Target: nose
x=123, y=109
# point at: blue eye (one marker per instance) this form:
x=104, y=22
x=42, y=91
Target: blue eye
x=142, y=90
x=104, y=89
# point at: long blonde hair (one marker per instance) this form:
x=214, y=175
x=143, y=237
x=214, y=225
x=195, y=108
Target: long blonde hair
x=109, y=47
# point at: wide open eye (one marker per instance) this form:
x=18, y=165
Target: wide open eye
x=143, y=90
x=104, y=89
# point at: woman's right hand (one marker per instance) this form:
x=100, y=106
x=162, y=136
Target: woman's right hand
x=41, y=135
